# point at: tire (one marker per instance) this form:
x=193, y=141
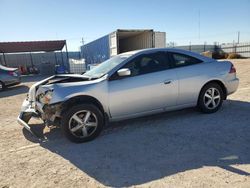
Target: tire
x=74, y=126
x=2, y=86
x=210, y=98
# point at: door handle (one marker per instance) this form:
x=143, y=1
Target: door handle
x=167, y=81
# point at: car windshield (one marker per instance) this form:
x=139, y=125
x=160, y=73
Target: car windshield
x=106, y=66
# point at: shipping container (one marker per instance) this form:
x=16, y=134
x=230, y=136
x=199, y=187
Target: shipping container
x=121, y=41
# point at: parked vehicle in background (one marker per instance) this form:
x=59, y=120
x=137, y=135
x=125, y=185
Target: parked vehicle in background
x=8, y=77
x=129, y=85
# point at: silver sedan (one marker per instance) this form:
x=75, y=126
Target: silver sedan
x=130, y=85
x=8, y=77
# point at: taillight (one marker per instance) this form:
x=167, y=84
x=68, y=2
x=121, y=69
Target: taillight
x=11, y=73
x=232, y=69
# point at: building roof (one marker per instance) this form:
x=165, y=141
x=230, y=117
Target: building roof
x=32, y=46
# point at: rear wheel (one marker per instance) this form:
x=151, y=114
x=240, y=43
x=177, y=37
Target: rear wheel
x=211, y=98
x=82, y=123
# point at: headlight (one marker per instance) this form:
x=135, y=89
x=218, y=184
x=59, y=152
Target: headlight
x=46, y=97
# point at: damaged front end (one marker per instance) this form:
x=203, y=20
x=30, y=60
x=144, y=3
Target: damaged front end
x=27, y=111
x=38, y=102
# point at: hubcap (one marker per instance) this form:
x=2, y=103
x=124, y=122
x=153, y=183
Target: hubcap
x=83, y=123
x=212, y=98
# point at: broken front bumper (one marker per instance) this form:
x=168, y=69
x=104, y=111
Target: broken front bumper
x=27, y=112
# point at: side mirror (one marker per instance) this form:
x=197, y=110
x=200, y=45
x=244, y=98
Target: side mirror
x=124, y=72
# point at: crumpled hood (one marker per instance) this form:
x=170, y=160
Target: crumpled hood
x=55, y=79
x=32, y=90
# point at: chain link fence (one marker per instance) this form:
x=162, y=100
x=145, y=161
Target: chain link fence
x=243, y=49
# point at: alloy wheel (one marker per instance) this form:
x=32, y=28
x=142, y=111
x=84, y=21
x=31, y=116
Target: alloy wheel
x=83, y=123
x=212, y=98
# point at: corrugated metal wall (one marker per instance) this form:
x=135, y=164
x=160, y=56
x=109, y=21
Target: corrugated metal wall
x=96, y=51
x=45, y=62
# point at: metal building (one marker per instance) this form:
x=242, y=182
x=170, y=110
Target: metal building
x=41, y=54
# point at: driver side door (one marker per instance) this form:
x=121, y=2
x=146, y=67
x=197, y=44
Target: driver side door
x=151, y=87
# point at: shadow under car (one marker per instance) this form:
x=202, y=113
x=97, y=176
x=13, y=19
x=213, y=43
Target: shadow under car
x=141, y=150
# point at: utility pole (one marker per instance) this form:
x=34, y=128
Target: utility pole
x=238, y=37
x=205, y=43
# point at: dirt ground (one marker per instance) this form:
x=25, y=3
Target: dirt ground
x=176, y=149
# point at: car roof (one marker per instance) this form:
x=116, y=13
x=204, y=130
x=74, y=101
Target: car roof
x=174, y=50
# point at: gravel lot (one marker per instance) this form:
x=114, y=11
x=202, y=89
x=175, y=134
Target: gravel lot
x=176, y=149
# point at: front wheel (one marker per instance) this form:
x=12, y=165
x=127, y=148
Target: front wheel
x=211, y=98
x=82, y=123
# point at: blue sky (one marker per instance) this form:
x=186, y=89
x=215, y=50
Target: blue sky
x=25, y=20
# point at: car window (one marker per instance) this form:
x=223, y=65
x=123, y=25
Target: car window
x=184, y=60
x=148, y=63
x=106, y=66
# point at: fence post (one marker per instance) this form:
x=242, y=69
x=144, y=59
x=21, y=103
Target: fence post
x=62, y=58
x=31, y=60
x=55, y=58
x=4, y=59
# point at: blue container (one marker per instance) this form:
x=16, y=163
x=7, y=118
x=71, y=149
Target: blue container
x=97, y=51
